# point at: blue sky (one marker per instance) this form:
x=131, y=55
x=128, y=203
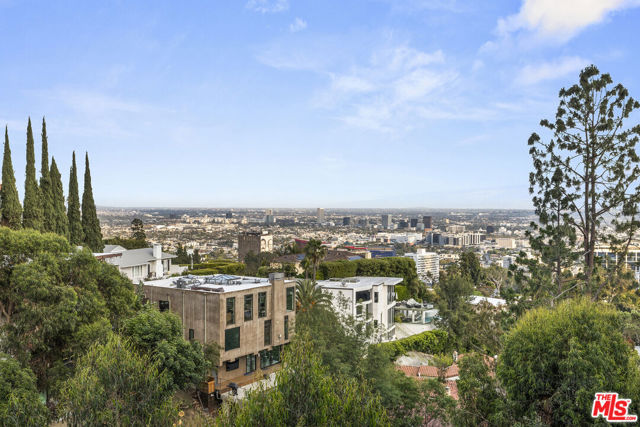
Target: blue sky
x=292, y=103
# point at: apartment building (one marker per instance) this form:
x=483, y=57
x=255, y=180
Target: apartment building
x=427, y=265
x=371, y=299
x=251, y=318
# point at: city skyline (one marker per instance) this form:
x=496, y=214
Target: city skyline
x=375, y=104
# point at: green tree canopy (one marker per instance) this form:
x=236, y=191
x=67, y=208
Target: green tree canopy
x=90, y=222
x=159, y=334
x=113, y=385
x=306, y=393
x=32, y=206
x=46, y=189
x=60, y=221
x=76, y=235
x=9, y=201
x=555, y=360
x=20, y=403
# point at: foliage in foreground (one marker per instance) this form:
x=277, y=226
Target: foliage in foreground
x=115, y=386
x=307, y=394
x=19, y=400
x=555, y=360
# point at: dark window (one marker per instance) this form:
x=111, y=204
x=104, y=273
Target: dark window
x=270, y=357
x=191, y=334
x=290, y=298
x=267, y=332
x=391, y=294
x=286, y=327
x=231, y=338
x=231, y=311
x=375, y=323
x=362, y=296
x=251, y=363
x=233, y=364
x=248, y=307
x=262, y=304
x=375, y=297
x=163, y=305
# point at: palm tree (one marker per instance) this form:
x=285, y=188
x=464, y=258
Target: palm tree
x=309, y=296
x=314, y=254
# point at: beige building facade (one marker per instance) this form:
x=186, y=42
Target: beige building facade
x=250, y=318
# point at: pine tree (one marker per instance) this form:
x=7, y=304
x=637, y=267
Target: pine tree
x=76, y=235
x=90, y=222
x=32, y=214
x=61, y=225
x=9, y=200
x=48, y=222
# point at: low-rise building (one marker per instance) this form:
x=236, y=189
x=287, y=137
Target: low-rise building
x=371, y=299
x=139, y=264
x=251, y=319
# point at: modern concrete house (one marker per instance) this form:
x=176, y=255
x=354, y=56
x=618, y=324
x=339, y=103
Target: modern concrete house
x=139, y=264
x=251, y=318
x=371, y=299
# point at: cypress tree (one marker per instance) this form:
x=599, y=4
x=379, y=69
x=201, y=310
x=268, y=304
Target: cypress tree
x=48, y=222
x=9, y=200
x=61, y=225
x=73, y=207
x=32, y=214
x=90, y=222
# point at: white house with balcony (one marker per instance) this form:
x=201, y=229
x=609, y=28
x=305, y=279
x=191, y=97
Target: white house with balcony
x=371, y=299
x=140, y=264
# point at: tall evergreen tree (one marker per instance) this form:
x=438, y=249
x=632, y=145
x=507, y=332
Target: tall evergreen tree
x=76, y=236
x=32, y=214
x=48, y=222
x=9, y=200
x=61, y=225
x=90, y=222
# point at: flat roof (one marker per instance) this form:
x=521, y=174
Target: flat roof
x=219, y=283
x=358, y=282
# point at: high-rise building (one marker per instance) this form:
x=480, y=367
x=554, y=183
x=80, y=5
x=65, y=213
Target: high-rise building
x=229, y=215
x=270, y=219
x=320, y=215
x=268, y=212
x=386, y=221
x=402, y=224
x=428, y=222
x=346, y=220
x=427, y=264
x=414, y=222
x=491, y=229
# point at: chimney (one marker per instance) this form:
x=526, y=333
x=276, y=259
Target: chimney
x=157, y=250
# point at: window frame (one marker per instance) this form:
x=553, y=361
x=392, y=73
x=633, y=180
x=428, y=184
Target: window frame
x=286, y=327
x=231, y=303
x=262, y=304
x=248, y=298
x=164, y=305
x=268, y=329
x=290, y=293
x=228, y=338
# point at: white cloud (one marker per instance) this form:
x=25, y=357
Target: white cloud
x=268, y=6
x=298, y=24
x=532, y=74
x=560, y=19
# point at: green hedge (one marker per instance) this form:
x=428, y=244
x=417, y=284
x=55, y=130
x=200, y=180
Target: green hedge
x=206, y=269
x=431, y=342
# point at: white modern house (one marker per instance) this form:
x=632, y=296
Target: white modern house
x=140, y=264
x=371, y=299
x=426, y=262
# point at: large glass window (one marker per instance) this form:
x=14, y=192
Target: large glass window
x=267, y=332
x=231, y=338
x=251, y=363
x=286, y=327
x=270, y=357
x=248, y=307
x=391, y=294
x=262, y=304
x=231, y=311
x=290, y=298
x=362, y=296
